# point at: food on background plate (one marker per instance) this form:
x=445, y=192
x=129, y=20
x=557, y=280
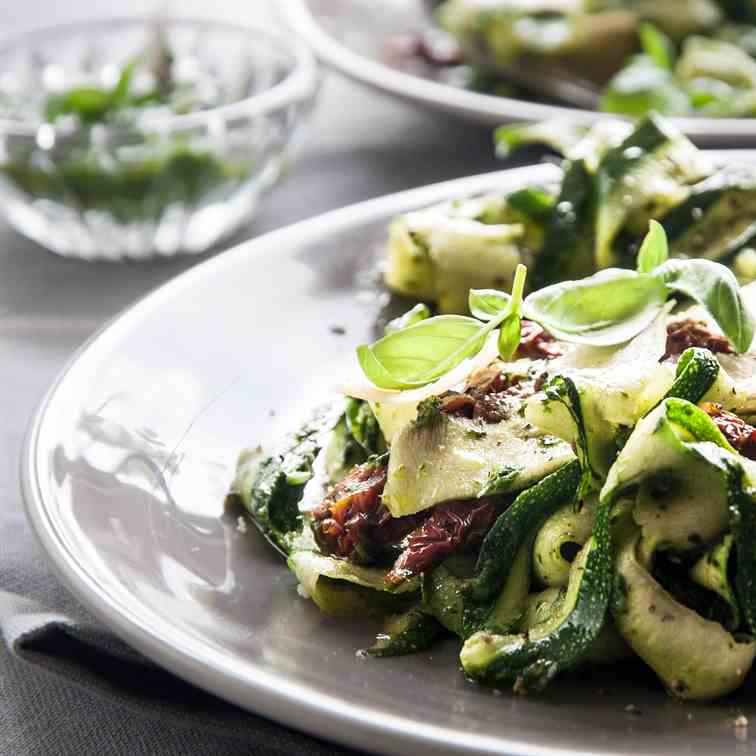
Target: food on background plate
x=560, y=480
x=680, y=57
x=614, y=178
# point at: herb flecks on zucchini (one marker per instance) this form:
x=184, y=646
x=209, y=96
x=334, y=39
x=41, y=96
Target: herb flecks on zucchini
x=457, y=458
x=510, y=531
x=530, y=661
x=694, y=657
x=696, y=373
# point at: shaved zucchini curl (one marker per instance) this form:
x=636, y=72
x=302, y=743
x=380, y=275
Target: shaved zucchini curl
x=531, y=660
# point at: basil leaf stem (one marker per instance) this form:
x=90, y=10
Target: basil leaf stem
x=510, y=329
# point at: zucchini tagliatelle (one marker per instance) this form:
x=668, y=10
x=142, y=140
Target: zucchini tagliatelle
x=592, y=215
x=564, y=479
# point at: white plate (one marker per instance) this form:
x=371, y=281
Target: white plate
x=355, y=37
x=132, y=451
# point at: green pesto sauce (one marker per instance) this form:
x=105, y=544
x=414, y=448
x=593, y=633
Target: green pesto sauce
x=136, y=181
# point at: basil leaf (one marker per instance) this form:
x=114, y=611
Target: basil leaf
x=605, y=309
x=654, y=250
x=657, y=45
x=419, y=312
x=715, y=287
x=90, y=104
x=422, y=352
x=486, y=304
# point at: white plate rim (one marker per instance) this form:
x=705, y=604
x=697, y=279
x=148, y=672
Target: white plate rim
x=489, y=109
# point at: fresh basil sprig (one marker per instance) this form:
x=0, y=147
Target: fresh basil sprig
x=605, y=309
x=424, y=351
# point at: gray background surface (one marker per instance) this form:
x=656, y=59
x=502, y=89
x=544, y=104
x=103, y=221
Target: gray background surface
x=358, y=145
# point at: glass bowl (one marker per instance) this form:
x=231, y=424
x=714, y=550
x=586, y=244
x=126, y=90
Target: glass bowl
x=158, y=183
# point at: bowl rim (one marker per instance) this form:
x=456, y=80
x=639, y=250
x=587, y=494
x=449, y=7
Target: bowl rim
x=298, y=85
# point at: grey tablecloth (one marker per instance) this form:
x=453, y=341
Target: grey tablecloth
x=66, y=685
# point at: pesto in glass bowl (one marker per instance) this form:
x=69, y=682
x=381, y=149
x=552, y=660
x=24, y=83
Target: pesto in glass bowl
x=131, y=138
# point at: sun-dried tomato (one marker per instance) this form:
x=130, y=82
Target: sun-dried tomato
x=490, y=380
x=537, y=344
x=352, y=522
x=489, y=390
x=450, y=526
x=454, y=403
x=683, y=334
x=737, y=431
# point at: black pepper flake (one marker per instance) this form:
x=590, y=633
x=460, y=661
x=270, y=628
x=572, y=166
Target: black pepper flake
x=337, y=330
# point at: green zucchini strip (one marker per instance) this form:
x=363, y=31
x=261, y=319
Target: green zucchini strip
x=694, y=657
x=567, y=251
x=532, y=659
x=509, y=607
x=443, y=597
x=716, y=220
x=558, y=542
x=648, y=173
x=711, y=572
x=562, y=390
x=342, y=589
x=406, y=633
x=743, y=524
x=696, y=372
x=680, y=502
x=510, y=531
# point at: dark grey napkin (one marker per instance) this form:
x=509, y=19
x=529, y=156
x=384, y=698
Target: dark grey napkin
x=103, y=674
